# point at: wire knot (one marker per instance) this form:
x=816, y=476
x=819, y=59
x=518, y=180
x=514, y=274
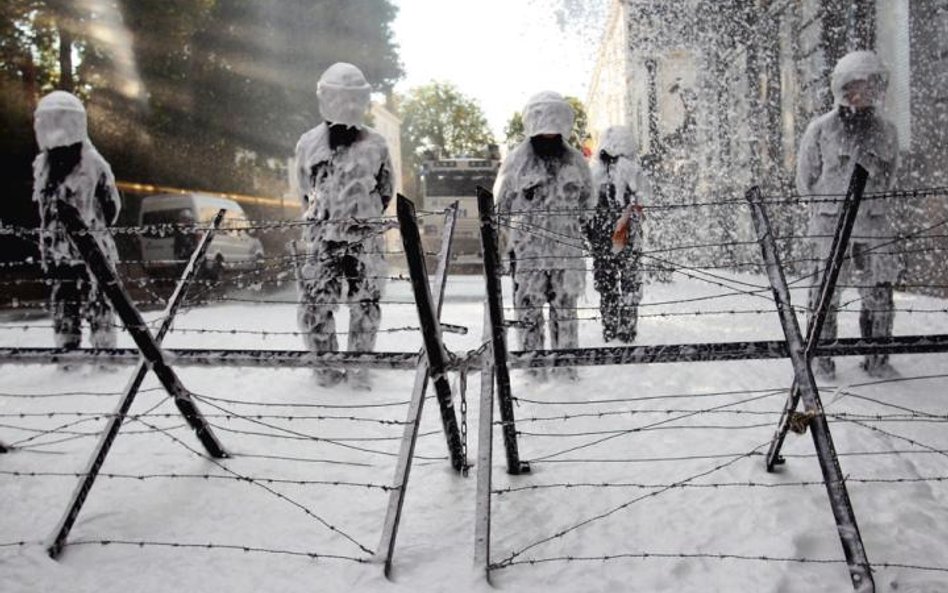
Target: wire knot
x=800, y=420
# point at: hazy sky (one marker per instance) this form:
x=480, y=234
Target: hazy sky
x=499, y=52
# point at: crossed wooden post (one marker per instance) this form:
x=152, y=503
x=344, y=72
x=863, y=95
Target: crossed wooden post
x=431, y=365
x=831, y=270
x=152, y=357
x=801, y=354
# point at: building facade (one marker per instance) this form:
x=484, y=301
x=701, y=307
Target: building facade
x=719, y=92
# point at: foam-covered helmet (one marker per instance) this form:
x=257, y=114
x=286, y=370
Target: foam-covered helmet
x=548, y=113
x=343, y=95
x=859, y=65
x=60, y=120
x=619, y=141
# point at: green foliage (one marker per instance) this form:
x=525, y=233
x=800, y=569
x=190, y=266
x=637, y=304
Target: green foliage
x=515, y=135
x=177, y=89
x=513, y=131
x=438, y=119
x=263, y=66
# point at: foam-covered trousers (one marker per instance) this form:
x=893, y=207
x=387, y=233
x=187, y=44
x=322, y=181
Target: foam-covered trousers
x=868, y=269
x=340, y=273
x=75, y=296
x=532, y=290
x=617, y=277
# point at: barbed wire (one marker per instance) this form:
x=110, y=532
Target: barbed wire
x=55, y=430
x=192, y=546
x=74, y=393
x=162, y=263
x=289, y=418
x=332, y=528
x=265, y=226
x=288, y=433
x=605, y=514
x=205, y=476
x=624, y=431
x=646, y=427
x=891, y=434
x=675, y=459
x=641, y=398
x=163, y=229
x=292, y=435
x=710, y=485
x=271, y=404
x=705, y=556
x=792, y=198
x=233, y=332
x=196, y=282
x=46, y=306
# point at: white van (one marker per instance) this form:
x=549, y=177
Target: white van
x=233, y=247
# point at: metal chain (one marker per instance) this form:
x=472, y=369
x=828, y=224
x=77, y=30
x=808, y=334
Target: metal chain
x=462, y=389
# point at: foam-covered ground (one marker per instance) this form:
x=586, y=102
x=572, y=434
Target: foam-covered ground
x=320, y=457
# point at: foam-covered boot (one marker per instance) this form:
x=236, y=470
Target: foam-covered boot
x=360, y=380
x=329, y=377
x=825, y=368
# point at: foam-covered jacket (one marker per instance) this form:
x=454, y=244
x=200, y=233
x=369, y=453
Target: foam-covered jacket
x=542, y=206
x=832, y=145
x=826, y=159
x=90, y=188
x=341, y=187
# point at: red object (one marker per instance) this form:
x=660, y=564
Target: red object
x=620, y=236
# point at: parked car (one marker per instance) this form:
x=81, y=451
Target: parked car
x=234, y=246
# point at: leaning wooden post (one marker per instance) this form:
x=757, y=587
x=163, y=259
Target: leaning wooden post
x=430, y=328
x=107, y=437
x=485, y=451
x=860, y=572
x=831, y=270
x=495, y=304
x=99, y=267
x=396, y=498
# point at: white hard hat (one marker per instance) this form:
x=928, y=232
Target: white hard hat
x=60, y=120
x=859, y=65
x=548, y=113
x=343, y=94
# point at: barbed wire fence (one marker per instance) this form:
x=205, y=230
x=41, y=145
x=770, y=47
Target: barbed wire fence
x=268, y=432
x=711, y=263
x=601, y=423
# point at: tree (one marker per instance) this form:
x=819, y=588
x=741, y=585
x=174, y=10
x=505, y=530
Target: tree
x=439, y=120
x=179, y=91
x=262, y=59
x=578, y=136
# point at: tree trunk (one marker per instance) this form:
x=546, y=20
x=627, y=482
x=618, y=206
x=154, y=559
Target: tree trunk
x=66, y=81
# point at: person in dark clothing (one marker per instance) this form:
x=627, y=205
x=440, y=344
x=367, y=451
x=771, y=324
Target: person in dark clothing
x=615, y=232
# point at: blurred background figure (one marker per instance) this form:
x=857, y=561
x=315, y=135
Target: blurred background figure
x=854, y=132
x=615, y=232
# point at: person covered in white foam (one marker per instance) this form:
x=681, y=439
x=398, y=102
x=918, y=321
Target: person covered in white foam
x=854, y=132
x=543, y=195
x=346, y=181
x=70, y=169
